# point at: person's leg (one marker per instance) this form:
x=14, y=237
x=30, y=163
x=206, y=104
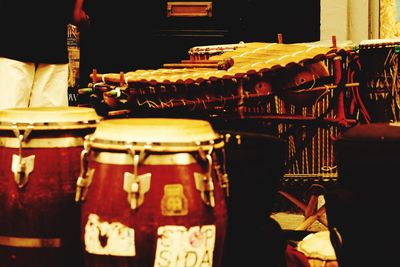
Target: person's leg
x=50, y=87
x=15, y=83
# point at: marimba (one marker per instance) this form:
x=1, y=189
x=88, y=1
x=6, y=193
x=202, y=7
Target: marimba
x=240, y=76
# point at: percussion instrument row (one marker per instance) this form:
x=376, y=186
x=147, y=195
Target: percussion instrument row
x=252, y=73
x=243, y=77
x=77, y=189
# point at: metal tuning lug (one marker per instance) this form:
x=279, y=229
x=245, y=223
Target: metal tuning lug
x=22, y=166
x=224, y=181
x=220, y=169
x=136, y=185
x=238, y=139
x=85, y=178
x=205, y=184
x=227, y=137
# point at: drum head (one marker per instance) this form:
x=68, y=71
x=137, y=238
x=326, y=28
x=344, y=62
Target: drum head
x=317, y=245
x=48, y=118
x=376, y=43
x=170, y=134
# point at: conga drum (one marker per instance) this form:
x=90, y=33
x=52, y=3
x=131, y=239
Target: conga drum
x=360, y=207
x=255, y=163
x=40, y=155
x=152, y=194
x=379, y=79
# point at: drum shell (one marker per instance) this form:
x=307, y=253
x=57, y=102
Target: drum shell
x=255, y=163
x=379, y=81
x=44, y=208
x=358, y=208
x=107, y=199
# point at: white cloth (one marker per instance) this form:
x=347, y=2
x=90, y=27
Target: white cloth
x=24, y=84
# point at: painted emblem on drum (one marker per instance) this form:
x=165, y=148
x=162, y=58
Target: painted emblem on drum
x=179, y=246
x=105, y=238
x=174, y=202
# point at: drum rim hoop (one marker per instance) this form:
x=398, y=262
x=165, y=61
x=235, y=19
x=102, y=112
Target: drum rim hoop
x=156, y=146
x=7, y=125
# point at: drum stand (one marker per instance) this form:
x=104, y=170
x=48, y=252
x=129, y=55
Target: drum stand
x=313, y=210
x=310, y=210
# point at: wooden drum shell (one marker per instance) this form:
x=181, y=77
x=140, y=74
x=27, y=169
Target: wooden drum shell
x=107, y=199
x=45, y=209
x=39, y=221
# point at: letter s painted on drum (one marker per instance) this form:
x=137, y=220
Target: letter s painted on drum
x=164, y=257
x=166, y=239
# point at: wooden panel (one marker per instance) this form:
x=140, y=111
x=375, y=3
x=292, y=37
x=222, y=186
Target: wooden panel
x=189, y=9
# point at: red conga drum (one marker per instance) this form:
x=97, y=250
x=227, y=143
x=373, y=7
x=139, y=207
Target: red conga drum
x=40, y=155
x=152, y=194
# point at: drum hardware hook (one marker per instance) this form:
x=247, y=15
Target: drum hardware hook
x=136, y=185
x=227, y=137
x=238, y=139
x=223, y=178
x=205, y=184
x=201, y=151
x=22, y=167
x=86, y=176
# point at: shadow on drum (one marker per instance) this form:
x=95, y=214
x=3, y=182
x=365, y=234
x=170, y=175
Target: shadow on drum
x=255, y=164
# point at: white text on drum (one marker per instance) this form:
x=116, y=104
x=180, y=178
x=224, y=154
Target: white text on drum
x=178, y=246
